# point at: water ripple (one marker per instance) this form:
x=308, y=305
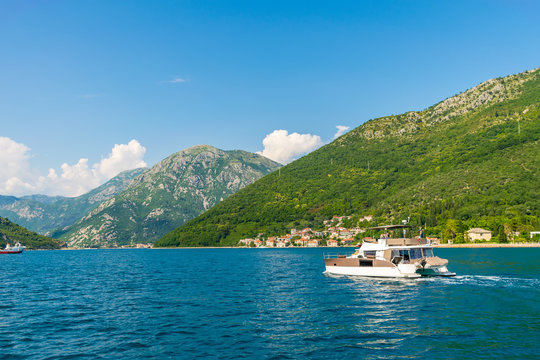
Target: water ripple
x=256, y=304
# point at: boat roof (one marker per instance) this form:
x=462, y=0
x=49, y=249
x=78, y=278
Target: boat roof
x=399, y=243
x=375, y=246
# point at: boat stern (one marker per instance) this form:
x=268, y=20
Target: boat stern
x=433, y=266
x=440, y=271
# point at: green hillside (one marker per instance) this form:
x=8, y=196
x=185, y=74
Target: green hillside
x=11, y=232
x=470, y=160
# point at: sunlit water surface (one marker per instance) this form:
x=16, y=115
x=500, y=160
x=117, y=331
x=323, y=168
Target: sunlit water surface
x=263, y=303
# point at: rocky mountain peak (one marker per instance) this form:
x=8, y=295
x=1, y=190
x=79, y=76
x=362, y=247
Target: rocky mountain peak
x=171, y=192
x=475, y=99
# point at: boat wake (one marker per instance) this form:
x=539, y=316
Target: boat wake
x=474, y=280
x=486, y=281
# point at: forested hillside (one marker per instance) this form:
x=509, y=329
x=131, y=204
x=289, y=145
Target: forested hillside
x=470, y=160
x=12, y=232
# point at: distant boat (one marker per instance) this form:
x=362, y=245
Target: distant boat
x=16, y=249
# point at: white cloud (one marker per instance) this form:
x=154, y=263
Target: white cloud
x=13, y=158
x=176, y=80
x=341, y=130
x=122, y=157
x=283, y=147
x=18, y=178
x=14, y=166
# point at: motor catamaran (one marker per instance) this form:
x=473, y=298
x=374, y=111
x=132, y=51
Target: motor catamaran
x=390, y=257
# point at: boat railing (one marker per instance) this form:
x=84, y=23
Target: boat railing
x=406, y=241
x=335, y=255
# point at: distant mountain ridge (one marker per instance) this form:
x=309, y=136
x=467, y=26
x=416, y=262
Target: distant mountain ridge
x=172, y=192
x=470, y=160
x=42, y=213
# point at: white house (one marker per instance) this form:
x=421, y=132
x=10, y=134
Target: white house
x=332, y=243
x=475, y=234
x=300, y=242
x=246, y=242
x=313, y=243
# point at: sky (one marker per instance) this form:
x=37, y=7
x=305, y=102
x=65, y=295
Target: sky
x=91, y=88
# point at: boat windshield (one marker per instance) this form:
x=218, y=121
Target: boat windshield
x=416, y=253
x=404, y=254
x=428, y=252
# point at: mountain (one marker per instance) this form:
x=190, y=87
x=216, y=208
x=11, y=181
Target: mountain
x=172, y=192
x=470, y=160
x=12, y=233
x=43, y=213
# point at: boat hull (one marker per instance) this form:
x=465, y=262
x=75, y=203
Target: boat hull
x=381, y=272
x=11, y=251
x=369, y=267
x=436, y=272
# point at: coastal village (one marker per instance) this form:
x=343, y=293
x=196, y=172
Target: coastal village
x=333, y=235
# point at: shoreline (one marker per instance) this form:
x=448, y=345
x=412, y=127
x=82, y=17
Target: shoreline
x=491, y=245
x=441, y=246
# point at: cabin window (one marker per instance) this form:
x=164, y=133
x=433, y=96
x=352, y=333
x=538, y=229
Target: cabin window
x=416, y=253
x=404, y=254
x=369, y=253
x=428, y=252
x=366, y=263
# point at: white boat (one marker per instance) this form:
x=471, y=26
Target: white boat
x=390, y=257
x=15, y=249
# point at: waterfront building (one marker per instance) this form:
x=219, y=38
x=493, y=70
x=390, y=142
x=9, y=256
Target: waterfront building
x=332, y=243
x=313, y=243
x=475, y=234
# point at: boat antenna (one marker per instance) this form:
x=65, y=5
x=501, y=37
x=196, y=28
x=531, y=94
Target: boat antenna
x=405, y=222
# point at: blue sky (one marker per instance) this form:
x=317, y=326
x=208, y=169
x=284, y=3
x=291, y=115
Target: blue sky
x=79, y=77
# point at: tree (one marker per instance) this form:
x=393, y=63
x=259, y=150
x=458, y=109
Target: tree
x=508, y=231
x=451, y=229
x=503, y=238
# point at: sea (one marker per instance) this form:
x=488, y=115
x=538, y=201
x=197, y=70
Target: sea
x=264, y=304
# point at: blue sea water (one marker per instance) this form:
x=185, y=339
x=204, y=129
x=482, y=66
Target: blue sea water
x=263, y=304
